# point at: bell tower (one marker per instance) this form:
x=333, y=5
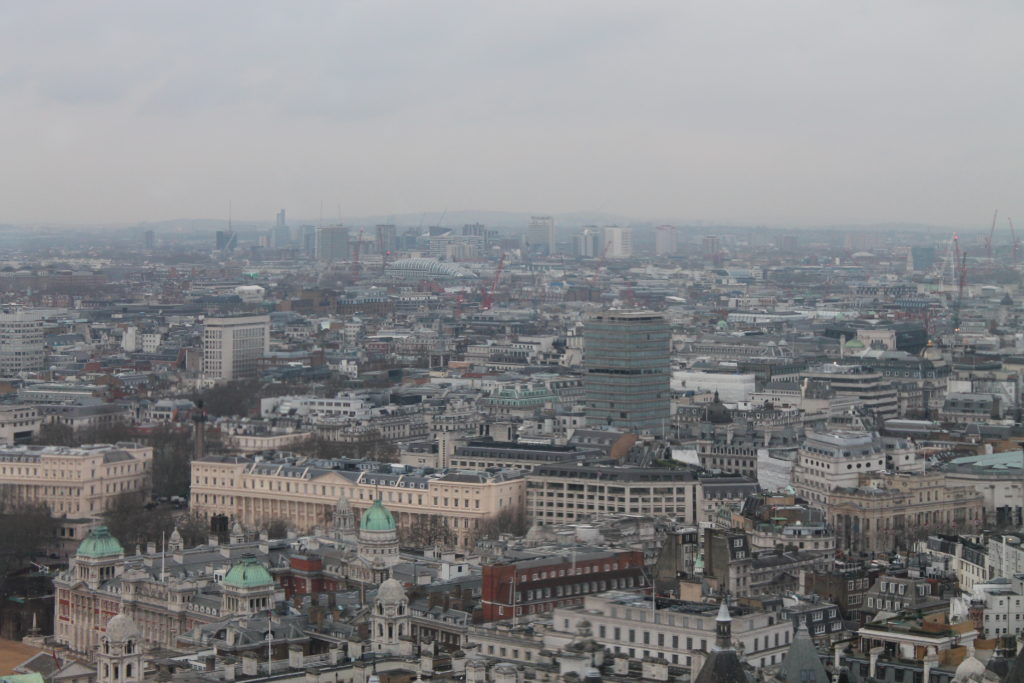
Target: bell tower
x=119, y=659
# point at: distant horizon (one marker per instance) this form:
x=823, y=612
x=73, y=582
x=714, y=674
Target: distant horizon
x=494, y=219
x=743, y=113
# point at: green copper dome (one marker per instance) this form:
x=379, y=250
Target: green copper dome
x=248, y=573
x=99, y=543
x=377, y=518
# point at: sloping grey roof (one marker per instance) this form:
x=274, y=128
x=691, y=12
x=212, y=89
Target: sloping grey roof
x=722, y=666
x=803, y=657
x=1016, y=672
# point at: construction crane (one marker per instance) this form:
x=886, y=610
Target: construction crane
x=355, y=255
x=960, y=265
x=991, y=232
x=600, y=263
x=488, y=300
x=1013, y=236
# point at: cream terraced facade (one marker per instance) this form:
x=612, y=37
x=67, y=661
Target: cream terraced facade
x=77, y=482
x=254, y=493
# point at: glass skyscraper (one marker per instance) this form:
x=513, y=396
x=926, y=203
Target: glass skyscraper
x=626, y=355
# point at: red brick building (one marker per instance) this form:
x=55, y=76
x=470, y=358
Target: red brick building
x=540, y=585
x=305, y=576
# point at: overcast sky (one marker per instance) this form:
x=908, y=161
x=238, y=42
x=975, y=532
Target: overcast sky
x=779, y=112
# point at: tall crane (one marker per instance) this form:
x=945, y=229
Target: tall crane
x=1013, y=236
x=355, y=255
x=960, y=265
x=488, y=299
x=600, y=263
x=988, y=240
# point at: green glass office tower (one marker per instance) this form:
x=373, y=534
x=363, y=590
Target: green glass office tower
x=626, y=355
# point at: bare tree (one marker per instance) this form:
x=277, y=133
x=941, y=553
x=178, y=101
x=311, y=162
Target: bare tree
x=511, y=520
x=427, y=531
x=131, y=523
x=278, y=528
x=26, y=529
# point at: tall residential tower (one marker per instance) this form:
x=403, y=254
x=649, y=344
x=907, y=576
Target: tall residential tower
x=21, y=341
x=626, y=355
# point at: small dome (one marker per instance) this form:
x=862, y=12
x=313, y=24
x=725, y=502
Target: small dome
x=855, y=344
x=971, y=666
x=377, y=518
x=716, y=412
x=390, y=591
x=99, y=543
x=121, y=628
x=248, y=573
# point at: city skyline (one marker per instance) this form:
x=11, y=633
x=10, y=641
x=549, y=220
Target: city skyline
x=747, y=114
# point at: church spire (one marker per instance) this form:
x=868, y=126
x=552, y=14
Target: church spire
x=723, y=627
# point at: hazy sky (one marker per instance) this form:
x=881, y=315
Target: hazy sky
x=780, y=112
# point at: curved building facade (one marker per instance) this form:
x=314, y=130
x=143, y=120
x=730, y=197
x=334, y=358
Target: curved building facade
x=426, y=269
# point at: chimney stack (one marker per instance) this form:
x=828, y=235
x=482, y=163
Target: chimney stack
x=199, y=418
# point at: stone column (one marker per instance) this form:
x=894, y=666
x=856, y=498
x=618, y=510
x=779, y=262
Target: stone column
x=873, y=653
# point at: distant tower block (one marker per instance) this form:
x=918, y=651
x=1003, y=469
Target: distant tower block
x=628, y=362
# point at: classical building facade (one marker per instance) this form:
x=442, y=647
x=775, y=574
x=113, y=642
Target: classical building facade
x=306, y=494
x=75, y=482
x=164, y=594
x=680, y=632
x=887, y=512
x=837, y=459
x=168, y=594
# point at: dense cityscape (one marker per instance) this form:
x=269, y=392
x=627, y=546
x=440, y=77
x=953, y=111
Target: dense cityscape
x=546, y=341
x=533, y=452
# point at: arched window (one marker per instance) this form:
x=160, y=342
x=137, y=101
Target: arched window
x=128, y=671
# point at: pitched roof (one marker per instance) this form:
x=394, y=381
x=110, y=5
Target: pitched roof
x=1016, y=672
x=802, y=662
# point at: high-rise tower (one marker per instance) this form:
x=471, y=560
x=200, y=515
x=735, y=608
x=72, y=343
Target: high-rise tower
x=22, y=348
x=540, y=235
x=626, y=355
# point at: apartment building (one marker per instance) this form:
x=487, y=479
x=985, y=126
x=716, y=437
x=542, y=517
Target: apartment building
x=305, y=493
x=564, y=492
x=723, y=493
x=18, y=423
x=21, y=341
x=233, y=346
x=76, y=482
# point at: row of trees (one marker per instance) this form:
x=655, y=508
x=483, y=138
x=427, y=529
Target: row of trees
x=375, y=447
x=172, y=449
x=25, y=531
x=427, y=531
